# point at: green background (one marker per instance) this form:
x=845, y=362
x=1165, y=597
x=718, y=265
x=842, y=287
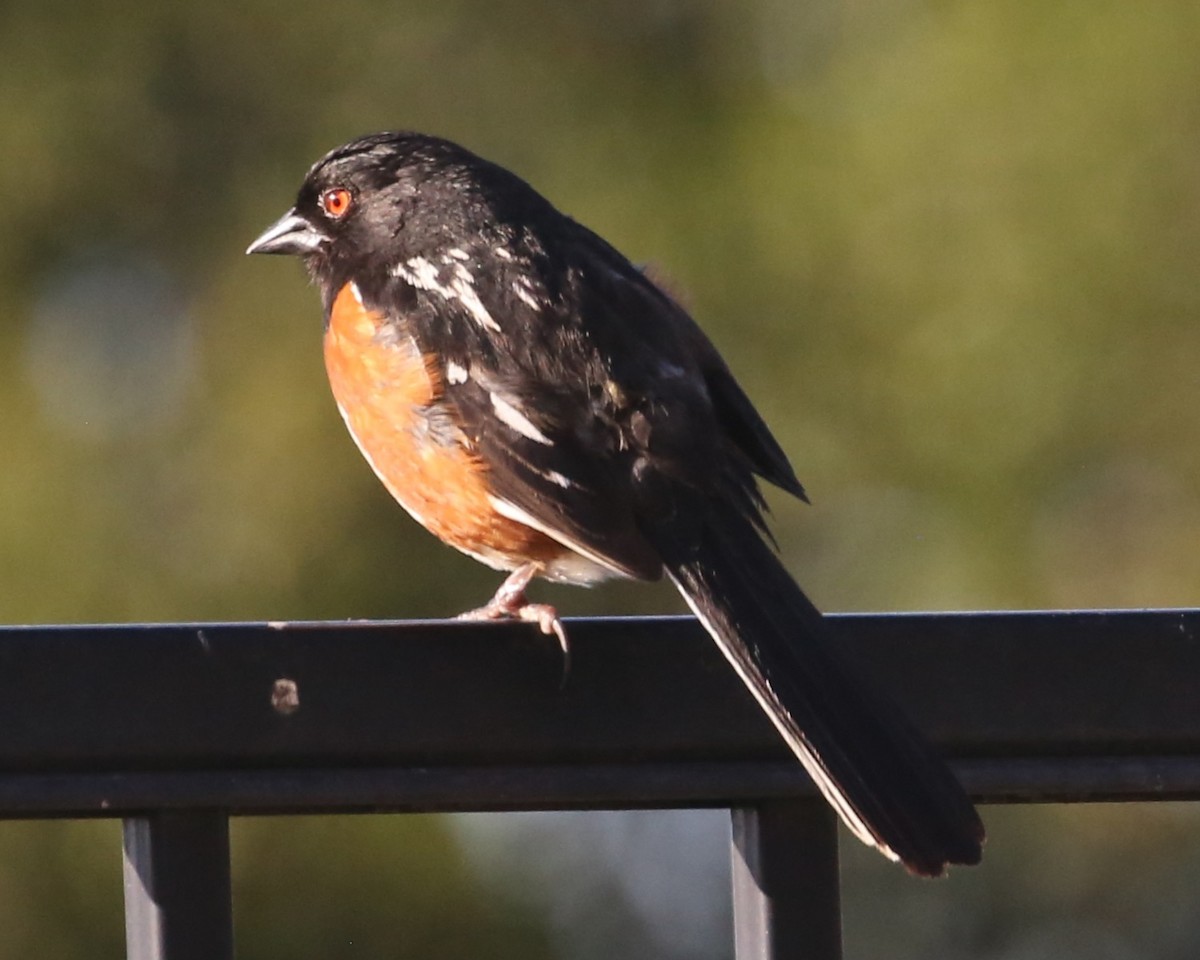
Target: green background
x=949, y=247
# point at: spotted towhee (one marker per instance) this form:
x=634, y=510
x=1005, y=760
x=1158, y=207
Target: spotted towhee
x=536, y=401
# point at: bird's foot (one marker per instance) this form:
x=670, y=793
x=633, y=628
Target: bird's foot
x=509, y=604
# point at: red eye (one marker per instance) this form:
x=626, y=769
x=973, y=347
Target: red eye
x=336, y=202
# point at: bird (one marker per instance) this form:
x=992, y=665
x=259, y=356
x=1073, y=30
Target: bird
x=540, y=403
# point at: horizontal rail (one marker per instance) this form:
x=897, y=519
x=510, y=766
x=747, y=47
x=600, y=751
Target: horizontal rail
x=611, y=787
x=109, y=720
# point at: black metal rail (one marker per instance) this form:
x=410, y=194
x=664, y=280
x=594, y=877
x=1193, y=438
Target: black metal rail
x=176, y=727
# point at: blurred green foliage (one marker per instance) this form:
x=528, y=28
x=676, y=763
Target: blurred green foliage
x=950, y=247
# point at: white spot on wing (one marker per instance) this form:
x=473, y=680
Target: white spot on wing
x=521, y=289
x=458, y=254
x=555, y=477
x=464, y=288
x=456, y=373
x=514, y=418
x=354, y=291
x=424, y=275
x=502, y=253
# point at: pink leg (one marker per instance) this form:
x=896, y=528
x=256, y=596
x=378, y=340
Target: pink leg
x=509, y=604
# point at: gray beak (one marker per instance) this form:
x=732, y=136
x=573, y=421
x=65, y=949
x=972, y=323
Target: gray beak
x=290, y=234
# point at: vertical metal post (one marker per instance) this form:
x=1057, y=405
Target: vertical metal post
x=178, y=904
x=786, y=887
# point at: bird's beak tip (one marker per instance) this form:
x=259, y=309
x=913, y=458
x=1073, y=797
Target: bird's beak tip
x=291, y=235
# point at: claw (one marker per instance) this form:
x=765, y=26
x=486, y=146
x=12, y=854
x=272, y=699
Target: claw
x=509, y=604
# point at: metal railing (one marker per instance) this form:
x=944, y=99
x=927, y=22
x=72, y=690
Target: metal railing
x=175, y=728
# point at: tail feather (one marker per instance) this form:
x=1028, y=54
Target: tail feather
x=884, y=780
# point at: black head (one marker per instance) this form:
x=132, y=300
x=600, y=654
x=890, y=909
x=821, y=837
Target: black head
x=387, y=196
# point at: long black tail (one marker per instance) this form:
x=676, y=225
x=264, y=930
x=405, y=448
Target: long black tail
x=881, y=776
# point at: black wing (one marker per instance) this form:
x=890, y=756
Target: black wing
x=590, y=395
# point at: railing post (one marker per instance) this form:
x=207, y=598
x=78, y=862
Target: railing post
x=177, y=892
x=786, y=887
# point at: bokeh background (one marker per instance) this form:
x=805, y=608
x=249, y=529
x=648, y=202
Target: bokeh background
x=949, y=246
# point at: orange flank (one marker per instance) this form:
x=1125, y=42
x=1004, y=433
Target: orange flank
x=386, y=391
